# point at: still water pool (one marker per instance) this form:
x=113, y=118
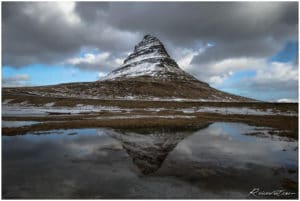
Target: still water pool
x=223, y=160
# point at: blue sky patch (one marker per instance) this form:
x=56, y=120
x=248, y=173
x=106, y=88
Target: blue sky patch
x=288, y=54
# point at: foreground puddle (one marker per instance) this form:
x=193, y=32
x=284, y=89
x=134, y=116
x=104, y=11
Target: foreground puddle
x=223, y=160
x=14, y=124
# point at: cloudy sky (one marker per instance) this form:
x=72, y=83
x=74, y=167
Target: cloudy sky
x=245, y=48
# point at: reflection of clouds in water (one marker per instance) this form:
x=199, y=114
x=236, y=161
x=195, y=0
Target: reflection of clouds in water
x=228, y=143
x=85, y=142
x=12, y=124
x=185, y=148
x=92, y=163
x=87, y=146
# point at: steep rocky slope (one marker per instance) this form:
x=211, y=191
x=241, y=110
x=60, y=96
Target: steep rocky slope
x=150, y=59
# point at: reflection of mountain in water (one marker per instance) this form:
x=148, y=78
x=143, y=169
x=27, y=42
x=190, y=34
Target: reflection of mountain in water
x=148, y=151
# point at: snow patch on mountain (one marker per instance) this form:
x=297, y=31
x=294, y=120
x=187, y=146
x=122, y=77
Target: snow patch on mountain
x=144, y=69
x=153, y=55
x=149, y=58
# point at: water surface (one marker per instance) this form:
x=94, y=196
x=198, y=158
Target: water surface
x=224, y=160
x=14, y=124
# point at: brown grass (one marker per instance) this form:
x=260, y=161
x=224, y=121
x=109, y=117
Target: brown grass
x=142, y=87
x=118, y=123
x=287, y=125
x=71, y=102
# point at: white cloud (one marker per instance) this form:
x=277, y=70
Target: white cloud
x=277, y=72
x=52, y=10
x=100, y=61
x=287, y=100
x=218, y=80
x=184, y=56
x=234, y=64
x=88, y=58
x=215, y=73
x=267, y=80
x=101, y=74
x=17, y=80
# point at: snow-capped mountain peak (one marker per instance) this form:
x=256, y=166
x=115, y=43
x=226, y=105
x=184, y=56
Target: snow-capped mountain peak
x=149, y=47
x=151, y=59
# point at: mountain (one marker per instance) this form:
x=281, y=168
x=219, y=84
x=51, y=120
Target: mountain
x=149, y=73
x=150, y=59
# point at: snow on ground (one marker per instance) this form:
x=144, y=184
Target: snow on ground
x=135, y=98
x=184, y=99
x=154, y=109
x=144, y=68
x=236, y=110
x=49, y=104
x=142, y=57
x=140, y=66
x=20, y=110
x=25, y=109
x=147, y=116
x=147, y=45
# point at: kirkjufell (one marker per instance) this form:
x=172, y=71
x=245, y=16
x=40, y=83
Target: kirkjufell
x=149, y=73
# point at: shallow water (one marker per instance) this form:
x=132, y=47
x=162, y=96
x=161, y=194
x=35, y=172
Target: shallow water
x=223, y=160
x=13, y=124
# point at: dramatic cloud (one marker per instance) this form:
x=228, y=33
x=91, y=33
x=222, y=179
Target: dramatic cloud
x=211, y=40
x=47, y=32
x=50, y=32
